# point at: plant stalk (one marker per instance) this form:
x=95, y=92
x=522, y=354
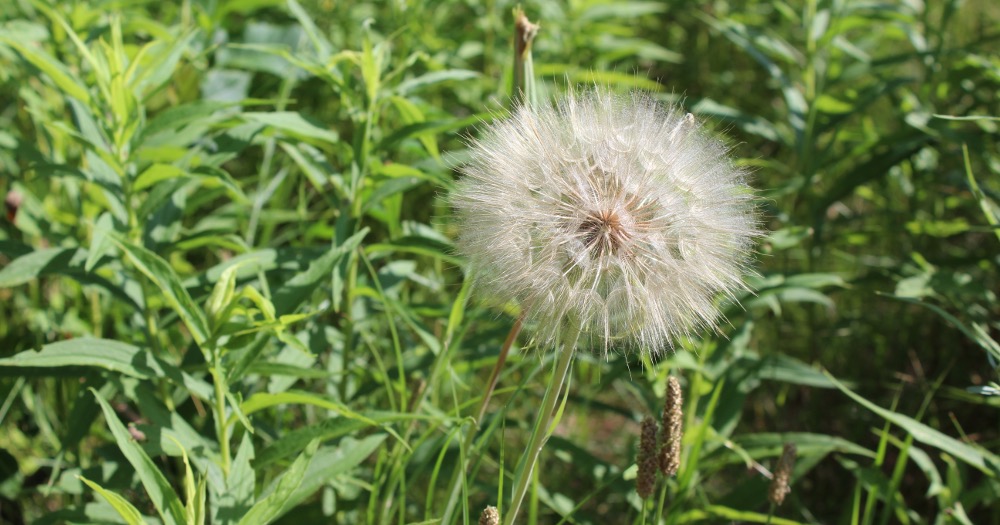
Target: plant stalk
x=470, y=435
x=539, y=434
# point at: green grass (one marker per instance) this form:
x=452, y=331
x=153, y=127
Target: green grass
x=228, y=291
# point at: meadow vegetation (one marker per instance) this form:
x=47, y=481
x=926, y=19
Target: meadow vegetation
x=229, y=291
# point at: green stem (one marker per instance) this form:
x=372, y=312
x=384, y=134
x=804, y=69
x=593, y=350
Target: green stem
x=456, y=480
x=220, y=413
x=539, y=433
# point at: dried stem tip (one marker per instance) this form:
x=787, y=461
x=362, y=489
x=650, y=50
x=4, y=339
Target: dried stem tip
x=525, y=31
x=673, y=429
x=490, y=516
x=780, y=485
x=645, y=480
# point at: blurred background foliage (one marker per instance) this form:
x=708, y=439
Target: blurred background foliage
x=227, y=233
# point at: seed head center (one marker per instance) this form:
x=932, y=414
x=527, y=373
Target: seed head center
x=604, y=233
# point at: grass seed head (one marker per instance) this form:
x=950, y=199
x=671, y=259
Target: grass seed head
x=615, y=213
x=490, y=516
x=673, y=428
x=647, y=462
x=780, y=480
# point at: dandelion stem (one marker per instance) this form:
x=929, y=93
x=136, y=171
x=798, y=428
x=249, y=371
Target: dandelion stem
x=539, y=433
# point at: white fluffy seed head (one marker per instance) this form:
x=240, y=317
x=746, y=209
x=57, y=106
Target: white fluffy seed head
x=614, y=214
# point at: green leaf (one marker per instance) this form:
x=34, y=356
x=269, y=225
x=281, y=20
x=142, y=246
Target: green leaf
x=260, y=401
x=293, y=124
x=417, y=245
x=37, y=263
x=423, y=128
x=124, y=509
x=160, y=272
x=808, y=444
x=434, y=77
x=53, y=68
x=110, y=355
x=979, y=458
x=62, y=261
x=292, y=442
x=164, y=498
x=603, y=11
x=985, y=204
x=330, y=462
x=290, y=296
x=101, y=241
x=155, y=63
x=265, y=510
x=234, y=496
x=157, y=173
x=172, y=119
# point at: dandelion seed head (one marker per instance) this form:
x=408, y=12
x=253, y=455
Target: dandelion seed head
x=614, y=213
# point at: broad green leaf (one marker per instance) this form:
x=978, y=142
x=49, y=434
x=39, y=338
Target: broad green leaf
x=331, y=462
x=980, y=458
x=294, y=441
x=155, y=63
x=602, y=11
x=293, y=124
x=233, y=496
x=411, y=114
x=297, y=289
x=60, y=261
x=167, y=432
x=321, y=45
x=434, y=77
x=431, y=127
x=389, y=188
x=160, y=492
x=417, y=245
x=789, y=370
x=160, y=272
x=748, y=122
x=261, y=401
x=101, y=241
x=157, y=173
x=53, y=68
x=172, y=119
x=126, y=510
x=283, y=369
x=315, y=167
x=890, y=152
x=39, y=262
x=110, y=355
x=268, y=508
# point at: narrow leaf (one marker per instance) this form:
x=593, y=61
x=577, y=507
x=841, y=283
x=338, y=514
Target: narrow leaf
x=160, y=272
x=129, y=513
x=981, y=459
x=160, y=492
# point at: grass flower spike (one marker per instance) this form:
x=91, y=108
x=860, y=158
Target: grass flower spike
x=611, y=212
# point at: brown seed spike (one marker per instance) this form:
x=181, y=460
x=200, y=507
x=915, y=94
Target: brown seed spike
x=645, y=480
x=490, y=516
x=781, y=478
x=673, y=428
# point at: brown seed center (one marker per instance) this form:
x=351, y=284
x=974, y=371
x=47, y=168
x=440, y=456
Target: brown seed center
x=603, y=233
